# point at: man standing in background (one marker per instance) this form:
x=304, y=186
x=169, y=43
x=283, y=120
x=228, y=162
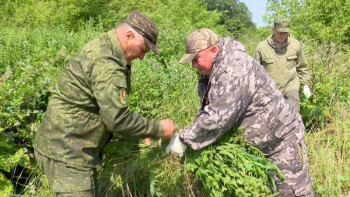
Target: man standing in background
x=285, y=62
x=89, y=103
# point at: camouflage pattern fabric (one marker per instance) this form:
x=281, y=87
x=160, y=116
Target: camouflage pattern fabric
x=282, y=25
x=88, y=104
x=292, y=161
x=240, y=92
x=67, y=180
x=145, y=27
x=287, y=66
x=197, y=41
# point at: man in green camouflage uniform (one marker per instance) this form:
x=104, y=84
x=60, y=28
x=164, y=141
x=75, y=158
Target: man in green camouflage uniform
x=89, y=103
x=238, y=91
x=285, y=62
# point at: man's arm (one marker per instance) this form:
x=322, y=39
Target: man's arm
x=109, y=86
x=228, y=98
x=257, y=55
x=302, y=67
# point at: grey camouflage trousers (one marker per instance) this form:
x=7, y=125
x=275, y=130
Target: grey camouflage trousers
x=293, y=162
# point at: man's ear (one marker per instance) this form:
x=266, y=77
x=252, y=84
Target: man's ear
x=215, y=50
x=130, y=35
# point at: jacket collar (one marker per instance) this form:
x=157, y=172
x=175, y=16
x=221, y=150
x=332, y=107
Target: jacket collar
x=273, y=45
x=116, y=47
x=226, y=45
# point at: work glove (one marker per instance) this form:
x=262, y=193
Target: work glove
x=307, y=91
x=176, y=147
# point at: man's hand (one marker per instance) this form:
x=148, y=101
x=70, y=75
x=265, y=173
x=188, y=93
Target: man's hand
x=169, y=128
x=176, y=147
x=148, y=141
x=307, y=91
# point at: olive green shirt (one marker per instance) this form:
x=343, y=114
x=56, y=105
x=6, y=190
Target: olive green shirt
x=287, y=66
x=89, y=103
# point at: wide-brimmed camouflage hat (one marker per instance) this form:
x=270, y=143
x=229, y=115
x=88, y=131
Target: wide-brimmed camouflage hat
x=198, y=41
x=145, y=27
x=282, y=25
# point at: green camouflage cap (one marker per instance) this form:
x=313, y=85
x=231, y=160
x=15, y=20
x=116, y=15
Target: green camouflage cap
x=282, y=25
x=145, y=27
x=197, y=41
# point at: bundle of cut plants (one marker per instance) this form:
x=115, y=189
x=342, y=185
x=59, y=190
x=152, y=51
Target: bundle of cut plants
x=232, y=167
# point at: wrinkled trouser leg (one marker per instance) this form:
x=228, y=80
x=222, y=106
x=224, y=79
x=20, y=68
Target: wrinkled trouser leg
x=67, y=180
x=293, y=98
x=292, y=161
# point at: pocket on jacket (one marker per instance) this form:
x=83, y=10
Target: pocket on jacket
x=291, y=62
x=268, y=64
x=72, y=178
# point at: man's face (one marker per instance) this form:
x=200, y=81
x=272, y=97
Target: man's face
x=280, y=37
x=204, y=61
x=137, y=48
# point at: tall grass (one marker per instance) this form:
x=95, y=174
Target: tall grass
x=327, y=117
x=329, y=155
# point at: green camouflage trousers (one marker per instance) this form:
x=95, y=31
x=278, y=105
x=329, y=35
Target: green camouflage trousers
x=293, y=98
x=292, y=161
x=66, y=180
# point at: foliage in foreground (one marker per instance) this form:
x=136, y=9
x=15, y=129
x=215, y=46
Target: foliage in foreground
x=229, y=167
x=232, y=167
x=329, y=153
x=6, y=186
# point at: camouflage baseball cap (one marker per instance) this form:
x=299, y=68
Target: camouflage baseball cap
x=282, y=25
x=197, y=41
x=145, y=27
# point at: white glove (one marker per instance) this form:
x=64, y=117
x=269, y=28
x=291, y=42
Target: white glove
x=176, y=147
x=307, y=91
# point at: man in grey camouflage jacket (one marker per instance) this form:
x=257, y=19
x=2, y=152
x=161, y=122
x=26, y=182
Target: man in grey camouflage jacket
x=236, y=90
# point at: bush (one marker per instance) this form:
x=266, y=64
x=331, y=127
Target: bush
x=329, y=83
x=320, y=20
x=31, y=60
x=232, y=167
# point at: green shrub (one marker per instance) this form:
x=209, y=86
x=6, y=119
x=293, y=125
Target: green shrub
x=6, y=186
x=320, y=20
x=329, y=82
x=232, y=167
x=30, y=61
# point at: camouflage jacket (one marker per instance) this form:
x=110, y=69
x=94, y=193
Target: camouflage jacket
x=287, y=66
x=240, y=92
x=88, y=103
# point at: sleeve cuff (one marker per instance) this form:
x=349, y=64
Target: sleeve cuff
x=159, y=133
